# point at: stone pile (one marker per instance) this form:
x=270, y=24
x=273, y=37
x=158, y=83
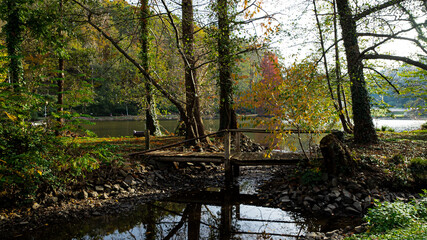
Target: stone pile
x=336, y=196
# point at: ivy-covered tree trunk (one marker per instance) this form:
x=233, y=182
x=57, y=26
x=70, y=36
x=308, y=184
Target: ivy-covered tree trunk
x=151, y=122
x=13, y=29
x=227, y=115
x=364, y=130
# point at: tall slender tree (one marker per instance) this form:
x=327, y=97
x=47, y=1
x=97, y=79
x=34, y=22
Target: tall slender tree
x=227, y=118
x=151, y=122
x=13, y=29
x=61, y=65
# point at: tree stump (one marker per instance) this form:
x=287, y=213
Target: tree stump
x=336, y=156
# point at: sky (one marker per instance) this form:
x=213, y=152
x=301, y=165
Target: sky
x=298, y=37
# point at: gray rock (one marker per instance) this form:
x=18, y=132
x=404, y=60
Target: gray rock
x=320, y=197
x=128, y=179
x=285, y=199
x=328, y=211
x=103, y=196
x=359, y=229
x=99, y=188
x=331, y=206
x=312, y=235
x=94, y=194
x=352, y=210
x=358, y=206
x=354, y=186
x=328, y=234
x=83, y=194
x=316, y=189
x=123, y=173
x=116, y=187
x=346, y=194
x=315, y=208
x=334, y=182
x=294, y=195
x=309, y=199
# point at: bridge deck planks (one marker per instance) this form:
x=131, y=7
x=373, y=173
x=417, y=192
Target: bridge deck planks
x=240, y=159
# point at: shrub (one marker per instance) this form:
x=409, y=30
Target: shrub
x=418, y=167
x=311, y=176
x=388, y=215
x=396, y=220
x=32, y=157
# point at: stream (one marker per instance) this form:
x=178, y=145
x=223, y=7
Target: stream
x=214, y=213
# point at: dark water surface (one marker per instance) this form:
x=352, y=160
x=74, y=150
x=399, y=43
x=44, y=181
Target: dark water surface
x=233, y=213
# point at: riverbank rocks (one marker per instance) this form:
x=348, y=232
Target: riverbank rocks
x=337, y=196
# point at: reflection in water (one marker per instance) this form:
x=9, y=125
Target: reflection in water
x=225, y=214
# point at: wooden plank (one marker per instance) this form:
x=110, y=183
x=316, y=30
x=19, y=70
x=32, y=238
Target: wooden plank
x=265, y=162
x=263, y=130
x=186, y=159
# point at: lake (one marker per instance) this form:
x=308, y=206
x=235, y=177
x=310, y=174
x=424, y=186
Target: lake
x=126, y=128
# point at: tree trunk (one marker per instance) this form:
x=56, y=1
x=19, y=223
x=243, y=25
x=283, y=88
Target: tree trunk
x=61, y=71
x=227, y=115
x=190, y=73
x=364, y=130
x=151, y=122
x=13, y=30
x=336, y=102
x=347, y=126
x=196, y=126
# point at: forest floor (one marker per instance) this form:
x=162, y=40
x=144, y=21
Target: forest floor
x=112, y=189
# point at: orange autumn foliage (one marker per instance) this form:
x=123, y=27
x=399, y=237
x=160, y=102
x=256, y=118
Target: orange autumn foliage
x=289, y=98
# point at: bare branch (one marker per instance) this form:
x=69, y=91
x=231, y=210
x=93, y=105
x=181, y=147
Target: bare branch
x=396, y=58
x=385, y=78
x=389, y=37
x=376, y=9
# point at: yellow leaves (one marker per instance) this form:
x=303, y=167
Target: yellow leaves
x=11, y=117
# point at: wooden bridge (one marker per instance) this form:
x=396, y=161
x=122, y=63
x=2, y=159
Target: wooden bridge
x=232, y=160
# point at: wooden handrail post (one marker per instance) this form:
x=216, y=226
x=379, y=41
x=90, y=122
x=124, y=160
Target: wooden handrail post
x=147, y=139
x=237, y=142
x=236, y=168
x=227, y=163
